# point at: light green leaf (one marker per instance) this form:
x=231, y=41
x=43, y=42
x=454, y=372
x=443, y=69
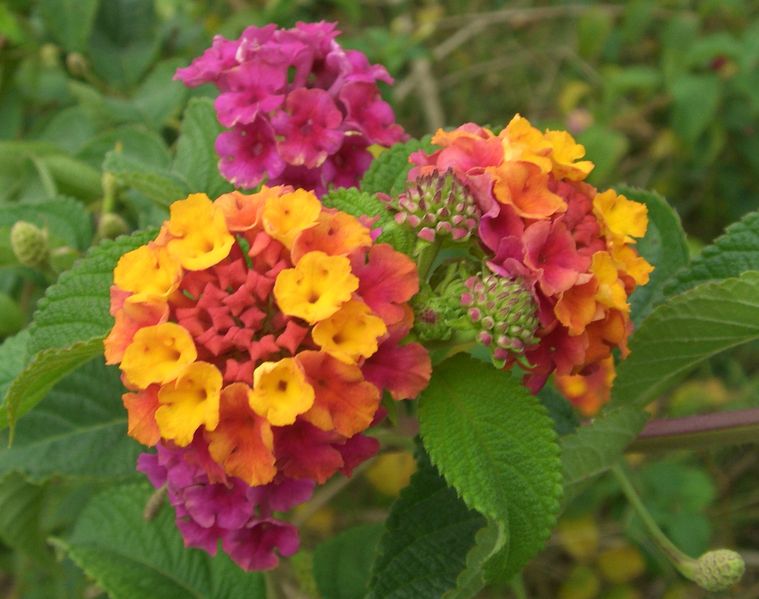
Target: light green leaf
x=678, y=335
x=342, y=563
x=159, y=97
x=67, y=221
x=45, y=369
x=78, y=431
x=69, y=21
x=389, y=171
x=133, y=141
x=73, y=177
x=695, y=101
x=129, y=557
x=76, y=307
x=160, y=185
x=429, y=532
x=664, y=246
x=734, y=252
x=607, y=147
x=196, y=161
x=490, y=541
x=495, y=444
x=12, y=360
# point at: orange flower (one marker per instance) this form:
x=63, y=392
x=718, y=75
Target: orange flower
x=523, y=186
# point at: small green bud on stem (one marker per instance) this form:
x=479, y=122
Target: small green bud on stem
x=30, y=244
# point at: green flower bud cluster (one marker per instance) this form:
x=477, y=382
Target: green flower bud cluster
x=437, y=205
x=717, y=570
x=30, y=244
x=504, y=312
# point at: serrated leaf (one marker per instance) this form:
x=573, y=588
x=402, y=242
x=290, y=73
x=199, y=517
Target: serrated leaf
x=664, y=246
x=196, y=160
x=44, y=370
x=676, y=336
x=78, y=431
x=562, y=413
x=69, y=21
x=428, y=534
x=129, y=557
x=490, y=540
x=495, y=444
x=342, y=563
x=389, y=171
x=360, y=203
x=12, y=360
x=734, y=252
x=160, y=185
x=76, y=307
x=67, y=221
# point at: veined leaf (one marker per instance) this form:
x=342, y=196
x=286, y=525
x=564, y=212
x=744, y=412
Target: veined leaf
x=78, y=431
x=12, y=360
x=67, y=221
x=495, y=444
x=664, y=246
x=20, y=506
x=388, y=172
x=429, y=532
x=734, y=252
x=129, y=557
x=490, y=541
x=160, y=185
x=342, y=564
x=196, y=161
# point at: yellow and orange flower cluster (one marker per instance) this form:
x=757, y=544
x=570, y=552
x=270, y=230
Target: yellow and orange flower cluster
x=263, y=328
x=543, y=224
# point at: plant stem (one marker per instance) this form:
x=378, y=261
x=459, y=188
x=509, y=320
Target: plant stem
x=721, y=428
x=677, y=557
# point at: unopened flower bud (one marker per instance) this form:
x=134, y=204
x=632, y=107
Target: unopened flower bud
x=30, y=244
x=76, y=64
x=437, y=205
x=111, y=225
x=718, y=570
x=49, y=55
x=505, y=313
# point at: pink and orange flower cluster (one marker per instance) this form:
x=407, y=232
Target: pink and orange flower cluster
x=300, y=109
x=542, y=223
x=256, y=335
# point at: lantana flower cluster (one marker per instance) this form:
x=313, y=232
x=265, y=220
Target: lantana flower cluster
x=570, y=245
x=300, y=109
x=256, y=335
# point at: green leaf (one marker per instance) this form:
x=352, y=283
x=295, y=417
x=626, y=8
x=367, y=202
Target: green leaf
x=67, y=221
x=129, y=557
x=196, y=160
x=429, y=532
x=12, y=360
x=20, y=507
x=125, y=41
x=676, y=336
x=69, y=21
x=695, y=99
x=490, y=541
x=360, y=203
x=342, y=564
x=664, y=246
x=160, y=185
x=562, y=413
x=159, y=97
x=74, y=177
x=607, y=147
x=389, y=171
x=44, y=370
x=76, y=307
x=495, y=444
x=132, y=141
x=78, y=431
x=734, y=252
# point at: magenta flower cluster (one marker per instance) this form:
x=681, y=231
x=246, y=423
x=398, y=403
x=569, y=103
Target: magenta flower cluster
x=300, y=109
x=226, y=509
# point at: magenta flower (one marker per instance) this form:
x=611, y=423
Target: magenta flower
x=300, y=110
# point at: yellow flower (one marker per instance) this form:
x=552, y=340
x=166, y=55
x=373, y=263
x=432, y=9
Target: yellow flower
x=280, y=391
x=632, y=264
x=611, y=290
x=158, y=354
x=149, y=272
x=523, y=142
x=351, y=333
x=316, y=288
x=621, y=218
x=189, y=402
x=199, y=232
x=287, y=215
x=564, y=154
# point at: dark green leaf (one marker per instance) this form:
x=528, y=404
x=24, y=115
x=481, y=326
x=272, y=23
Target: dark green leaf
x=196, y=161
x=490, y=541
x=130, y=558
x=342, y=563
x=20, y=506
x=664, y=246
x=495, y=444
x=429, y=532
x=389, y=171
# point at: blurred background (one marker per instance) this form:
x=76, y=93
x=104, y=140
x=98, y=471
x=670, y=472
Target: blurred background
x=663, y=94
